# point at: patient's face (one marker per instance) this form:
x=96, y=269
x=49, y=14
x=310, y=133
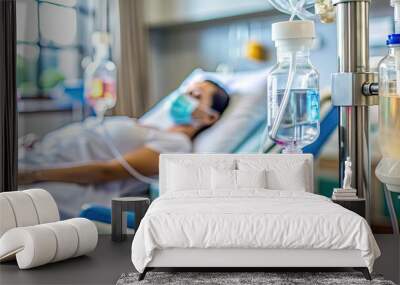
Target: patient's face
x=204, y=92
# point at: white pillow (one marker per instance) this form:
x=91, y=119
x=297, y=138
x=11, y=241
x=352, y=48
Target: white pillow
x=186, y=176
x=226, y=179
x=223, y=179
x=251, y=178
x=279, y=180
x=282, y=174
x=247, y=109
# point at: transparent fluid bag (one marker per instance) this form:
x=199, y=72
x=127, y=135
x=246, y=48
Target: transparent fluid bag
x=293, y=88
x=388, y=169
x=389, y=100
x=100, y=77
x=101, y=94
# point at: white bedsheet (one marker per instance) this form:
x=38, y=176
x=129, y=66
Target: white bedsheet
x=253, y=218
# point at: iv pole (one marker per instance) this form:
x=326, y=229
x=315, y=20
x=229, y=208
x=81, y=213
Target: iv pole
x=354, y=90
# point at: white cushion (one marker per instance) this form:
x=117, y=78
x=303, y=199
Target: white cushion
x=40, y=244
x=45, y=206
x=185, y=175
x=223, y=179
x=278, y=180
x=32, y=246
x=7, y=218
x=251, y=178
x=66, y=237
x=284, y=164
x=87, y=235
x=282, y=173
x=26, y=208
x=23, y=208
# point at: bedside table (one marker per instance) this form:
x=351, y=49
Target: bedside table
x=356, y=205
x=120, y=206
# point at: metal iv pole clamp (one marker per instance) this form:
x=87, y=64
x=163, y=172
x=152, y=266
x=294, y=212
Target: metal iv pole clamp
x=355, y=89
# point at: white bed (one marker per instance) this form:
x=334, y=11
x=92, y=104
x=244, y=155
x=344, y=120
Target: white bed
x=200, y=220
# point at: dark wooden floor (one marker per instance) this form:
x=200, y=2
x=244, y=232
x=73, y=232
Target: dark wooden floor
x=110, y=260
x=103, y=266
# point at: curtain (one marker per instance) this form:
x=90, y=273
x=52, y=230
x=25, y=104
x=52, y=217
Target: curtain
x=8, y=98
x=131, y=59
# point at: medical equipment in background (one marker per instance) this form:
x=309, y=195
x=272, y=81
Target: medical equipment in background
x=354, y=93
x=324, y=9
x=293, y=84
x=100, y=93
x=293, y=87
x=256, y=51
x=101, y=77
x=388, y=169
x=354, y=87
x=396, y=5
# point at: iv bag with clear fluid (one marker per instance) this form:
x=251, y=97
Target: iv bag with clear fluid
x=100, y=77
x=293, y=88
x=388, y=169
x=389, y=100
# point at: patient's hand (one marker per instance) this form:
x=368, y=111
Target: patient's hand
x=26, y=177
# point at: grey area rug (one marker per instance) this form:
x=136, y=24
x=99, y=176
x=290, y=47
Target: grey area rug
x=233, y=278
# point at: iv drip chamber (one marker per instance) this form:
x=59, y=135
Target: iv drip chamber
x=293, y=88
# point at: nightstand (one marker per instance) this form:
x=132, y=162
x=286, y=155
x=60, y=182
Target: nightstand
x=356, y=205
x=120, y=206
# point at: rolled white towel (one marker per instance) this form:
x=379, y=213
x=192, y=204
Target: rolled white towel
x=40, y=244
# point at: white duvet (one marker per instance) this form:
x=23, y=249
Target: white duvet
x=250, y=219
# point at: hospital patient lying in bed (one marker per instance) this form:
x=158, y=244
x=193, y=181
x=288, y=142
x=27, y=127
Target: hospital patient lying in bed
x=79, y=153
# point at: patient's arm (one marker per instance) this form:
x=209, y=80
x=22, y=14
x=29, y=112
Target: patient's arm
x=144, y=160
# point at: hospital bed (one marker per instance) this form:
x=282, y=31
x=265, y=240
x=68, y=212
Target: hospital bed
x=276, y=223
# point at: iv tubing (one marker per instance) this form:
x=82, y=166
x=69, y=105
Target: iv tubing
x=286, y=96
x=288, y=7
x=117, y=154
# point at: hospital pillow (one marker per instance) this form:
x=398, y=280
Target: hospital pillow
x=246, y=110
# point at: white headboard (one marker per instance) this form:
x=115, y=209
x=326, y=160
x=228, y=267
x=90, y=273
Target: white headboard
x=266, y=159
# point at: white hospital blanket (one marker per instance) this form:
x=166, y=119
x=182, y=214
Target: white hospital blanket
x=250, y=219
x=85, y=142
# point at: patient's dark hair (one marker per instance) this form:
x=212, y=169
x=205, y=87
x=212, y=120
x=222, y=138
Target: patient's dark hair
x=220, y=102
x=220, y=99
